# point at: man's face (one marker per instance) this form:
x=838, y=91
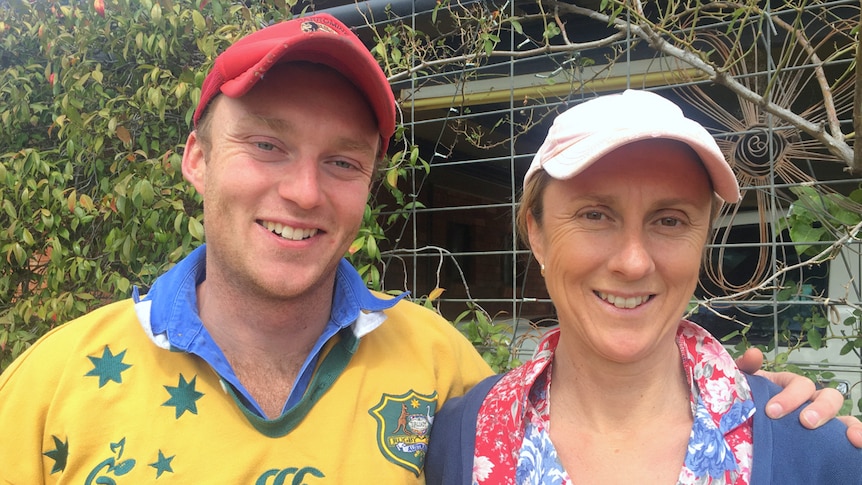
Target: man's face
x=284, y=176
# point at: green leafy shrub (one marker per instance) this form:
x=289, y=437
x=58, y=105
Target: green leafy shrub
x=97, y=102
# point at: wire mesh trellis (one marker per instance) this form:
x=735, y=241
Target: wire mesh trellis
x=478, y=122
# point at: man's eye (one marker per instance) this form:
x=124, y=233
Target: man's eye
x=265, y=146
x=342, y=164
x=670, y=221
x=593, y=215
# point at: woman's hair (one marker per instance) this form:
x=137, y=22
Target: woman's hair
x=531, y=200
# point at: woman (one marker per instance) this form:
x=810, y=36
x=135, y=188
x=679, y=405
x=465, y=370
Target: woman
x=617, y=208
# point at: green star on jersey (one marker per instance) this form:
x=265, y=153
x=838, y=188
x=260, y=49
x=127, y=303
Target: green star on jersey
x=163, y=464
x=59, y=454
x=183, y=396
x=108, y=367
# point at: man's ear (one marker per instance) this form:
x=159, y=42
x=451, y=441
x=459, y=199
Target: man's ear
x=194, y=163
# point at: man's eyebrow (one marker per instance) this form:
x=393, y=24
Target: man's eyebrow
x=268, y=121
x=352, y=144
x=280, y=124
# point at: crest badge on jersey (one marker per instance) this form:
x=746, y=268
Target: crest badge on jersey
x=403, y=425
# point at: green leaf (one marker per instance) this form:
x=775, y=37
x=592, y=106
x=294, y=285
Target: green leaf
x=27, y=237
x=199, y=22
x=156, y=13
x=10, y=209
x=517, y=26
x=730, y=336
x=814, y=338
x=372, y=249
x=123, y=285
x=19, y=254
x=196, y=229
x=146, y=190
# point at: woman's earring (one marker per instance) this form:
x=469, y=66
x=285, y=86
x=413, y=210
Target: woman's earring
x=542, y=270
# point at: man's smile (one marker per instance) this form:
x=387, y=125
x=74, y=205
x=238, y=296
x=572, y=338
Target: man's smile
x=287, y=232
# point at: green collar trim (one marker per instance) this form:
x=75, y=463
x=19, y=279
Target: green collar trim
x=329, y=370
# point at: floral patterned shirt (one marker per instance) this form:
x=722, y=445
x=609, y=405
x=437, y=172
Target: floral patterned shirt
x=513, y=445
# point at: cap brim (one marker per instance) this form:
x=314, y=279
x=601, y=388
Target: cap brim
x=576, y=158
x=320, y=38
x=336, y=52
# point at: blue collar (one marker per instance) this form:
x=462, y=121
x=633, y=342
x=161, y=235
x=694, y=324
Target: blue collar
x=173, y=319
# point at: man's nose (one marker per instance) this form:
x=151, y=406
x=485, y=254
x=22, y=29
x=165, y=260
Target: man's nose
x=301, y=184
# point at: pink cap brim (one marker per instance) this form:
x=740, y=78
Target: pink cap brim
x=587, y=132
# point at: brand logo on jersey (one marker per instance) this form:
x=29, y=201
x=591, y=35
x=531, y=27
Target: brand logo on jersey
x=403, y=425
x=288, y=476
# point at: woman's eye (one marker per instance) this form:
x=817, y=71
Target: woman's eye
x=593, y=215
x=669, y=221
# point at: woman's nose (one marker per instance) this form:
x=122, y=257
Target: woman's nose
x=633, y=258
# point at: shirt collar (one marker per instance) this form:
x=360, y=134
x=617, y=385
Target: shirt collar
x=173, y=301
x=506, y=409
x=168, y=314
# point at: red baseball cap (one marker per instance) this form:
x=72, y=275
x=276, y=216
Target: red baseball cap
x=321, y=39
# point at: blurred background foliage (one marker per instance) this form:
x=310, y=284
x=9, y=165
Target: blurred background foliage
x=97, y=98
x=97, y=101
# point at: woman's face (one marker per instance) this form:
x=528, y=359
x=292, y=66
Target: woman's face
x=622, y=243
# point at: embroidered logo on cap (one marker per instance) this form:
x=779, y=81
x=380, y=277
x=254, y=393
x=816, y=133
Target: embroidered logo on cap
x=403, y=425
x=312, y=26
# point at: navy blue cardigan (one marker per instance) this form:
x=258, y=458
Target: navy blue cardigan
x=785, y=453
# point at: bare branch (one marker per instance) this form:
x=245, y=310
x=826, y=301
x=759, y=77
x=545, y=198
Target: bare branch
x=834, y=142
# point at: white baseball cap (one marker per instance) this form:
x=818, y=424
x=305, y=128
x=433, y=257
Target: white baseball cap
x=587, y=132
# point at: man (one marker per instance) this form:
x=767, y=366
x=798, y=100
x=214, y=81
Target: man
x=261, y=357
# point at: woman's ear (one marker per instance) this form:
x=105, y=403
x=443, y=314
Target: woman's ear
x=194, y=163
x=534, y=234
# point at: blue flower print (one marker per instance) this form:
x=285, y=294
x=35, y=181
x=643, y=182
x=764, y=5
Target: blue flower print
x=708, y=453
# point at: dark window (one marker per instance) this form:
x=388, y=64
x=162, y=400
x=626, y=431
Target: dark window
x=780, y=309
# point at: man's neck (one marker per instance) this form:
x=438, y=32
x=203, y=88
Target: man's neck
x=265, y=341
x=267, y=325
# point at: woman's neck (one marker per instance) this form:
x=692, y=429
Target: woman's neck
x=607, y=395
x=620, y=423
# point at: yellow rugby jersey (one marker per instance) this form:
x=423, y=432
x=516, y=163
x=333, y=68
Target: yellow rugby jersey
x=96, y=401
